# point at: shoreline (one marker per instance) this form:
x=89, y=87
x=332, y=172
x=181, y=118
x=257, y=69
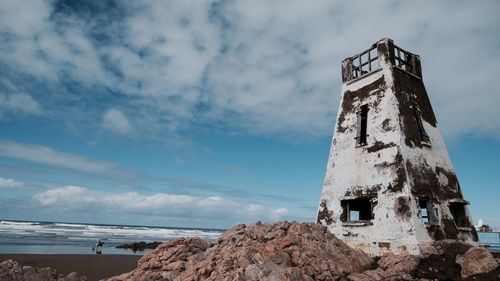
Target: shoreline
x=94, y=267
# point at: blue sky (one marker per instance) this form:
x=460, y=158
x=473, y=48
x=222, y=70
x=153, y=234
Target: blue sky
x=211, y=113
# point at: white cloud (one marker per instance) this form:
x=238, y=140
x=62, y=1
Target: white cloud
x=158, y=204
x=253, y=66
x=115, y=121
x=10, y=183
x=19, y=102
x=48, y=156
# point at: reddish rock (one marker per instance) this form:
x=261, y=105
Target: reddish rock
x=167, y=261
x=12, y=271
x=390, y=268
x=286, y=251
x=454, y=260
x=476, y=260
x=280, y=251
x=437, y=260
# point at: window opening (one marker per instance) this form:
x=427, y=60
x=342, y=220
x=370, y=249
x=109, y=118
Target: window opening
x=427, y=211
x=420, y=126
x=362, y=125
x=359, y=209
x=424, y=211
x=457, y=210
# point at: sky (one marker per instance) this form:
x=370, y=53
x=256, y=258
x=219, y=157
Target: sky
x=212, y=113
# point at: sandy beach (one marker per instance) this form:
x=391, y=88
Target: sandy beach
x=95, y=267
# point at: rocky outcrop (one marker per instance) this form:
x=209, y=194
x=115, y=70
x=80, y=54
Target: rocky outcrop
x=440, y=260
x=305, y=252
x=139, y=246
x=12, y=271
x=280, y=251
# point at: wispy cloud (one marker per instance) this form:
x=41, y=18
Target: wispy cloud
x=14, y=100
x=19, y=102
x=115, y=121
x=248, y=66
x=159, y=204
x=48, y=156
x=9, y=183
x=228, y=191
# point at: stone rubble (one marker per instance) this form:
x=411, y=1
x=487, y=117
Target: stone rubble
x=440, y=260
x=280, y=251
x=390, y=268
x=286, y=251
x=12, y=271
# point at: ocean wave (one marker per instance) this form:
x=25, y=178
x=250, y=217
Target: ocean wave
x=71, y=226
x=110, y=231
x=19, y=223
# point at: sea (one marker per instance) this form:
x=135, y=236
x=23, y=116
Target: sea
x=39, y=237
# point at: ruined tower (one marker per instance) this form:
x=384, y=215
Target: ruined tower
x=390, y=185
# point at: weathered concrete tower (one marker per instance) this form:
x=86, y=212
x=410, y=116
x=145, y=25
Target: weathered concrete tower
x=390, y=185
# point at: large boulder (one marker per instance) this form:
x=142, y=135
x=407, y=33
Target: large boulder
x=476, y=262
x=12, y=271
x=279, y=251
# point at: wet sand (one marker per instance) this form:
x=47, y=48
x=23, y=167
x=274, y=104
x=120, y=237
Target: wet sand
x=95, y=267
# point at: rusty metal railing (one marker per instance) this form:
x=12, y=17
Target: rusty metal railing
x=365, y=62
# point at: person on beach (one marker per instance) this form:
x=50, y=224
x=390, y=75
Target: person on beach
x=97, y=249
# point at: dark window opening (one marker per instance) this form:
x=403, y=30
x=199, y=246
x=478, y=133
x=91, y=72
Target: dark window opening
x=359, y=209
x=424, y=210
x=420, y=126
x=427, y=212
x=457, y=210
x=362, y=125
